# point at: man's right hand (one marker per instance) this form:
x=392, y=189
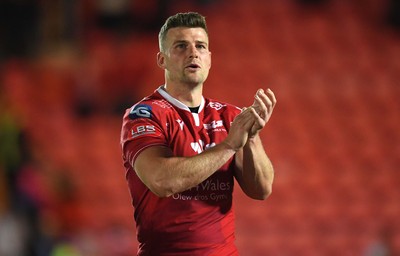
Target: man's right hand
x=239, y=131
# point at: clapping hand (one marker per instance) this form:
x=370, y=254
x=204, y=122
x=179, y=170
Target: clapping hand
x=263, y=105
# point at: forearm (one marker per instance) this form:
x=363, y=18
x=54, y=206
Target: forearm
x=165, y=174
x=257, y=174
x=171, y=174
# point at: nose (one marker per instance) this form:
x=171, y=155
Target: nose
x=193, y=53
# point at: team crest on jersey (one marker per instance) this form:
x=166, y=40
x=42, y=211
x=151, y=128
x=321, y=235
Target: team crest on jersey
x=140, y=111
x=215, y=105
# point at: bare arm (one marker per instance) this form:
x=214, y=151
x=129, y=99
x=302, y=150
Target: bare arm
x=254, y=171
x=165, y=174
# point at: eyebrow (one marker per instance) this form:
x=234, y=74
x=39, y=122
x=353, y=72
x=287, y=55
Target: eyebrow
x=186, y=41
x=179, y=42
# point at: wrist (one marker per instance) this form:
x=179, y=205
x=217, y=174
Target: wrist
x=229, y=146
x=253, y=136
x=253, y=139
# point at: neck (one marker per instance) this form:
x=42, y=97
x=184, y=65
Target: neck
x=190, y=96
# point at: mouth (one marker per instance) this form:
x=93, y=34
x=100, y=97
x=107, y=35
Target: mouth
x=193, y=66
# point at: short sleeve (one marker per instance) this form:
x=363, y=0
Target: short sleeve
x=140, y=131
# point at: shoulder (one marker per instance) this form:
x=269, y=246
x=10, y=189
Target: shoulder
x=151, y=107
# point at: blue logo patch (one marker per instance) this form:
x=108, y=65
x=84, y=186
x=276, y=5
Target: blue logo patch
x=140, y=111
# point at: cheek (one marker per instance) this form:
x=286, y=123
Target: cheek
x=172, y=65
x=209, y=60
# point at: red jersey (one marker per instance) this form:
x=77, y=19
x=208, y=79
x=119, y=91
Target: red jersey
x=199, y=221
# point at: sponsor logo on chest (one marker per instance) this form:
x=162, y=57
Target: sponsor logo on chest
x=199, y=145
x=214, y=124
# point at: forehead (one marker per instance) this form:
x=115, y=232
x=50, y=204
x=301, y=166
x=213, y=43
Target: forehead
x=186, y=34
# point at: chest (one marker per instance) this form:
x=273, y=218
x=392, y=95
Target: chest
x=192, y=133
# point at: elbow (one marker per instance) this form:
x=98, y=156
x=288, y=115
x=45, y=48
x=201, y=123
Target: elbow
x=158, y=185
x=160, y=193
x=266, y=193
x=263, y=194
x=162, y=189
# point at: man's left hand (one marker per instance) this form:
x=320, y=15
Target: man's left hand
x=262, y=108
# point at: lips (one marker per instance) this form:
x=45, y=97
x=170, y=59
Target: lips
x=193, y=66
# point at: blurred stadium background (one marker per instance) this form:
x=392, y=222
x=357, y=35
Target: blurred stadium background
x=68, y=69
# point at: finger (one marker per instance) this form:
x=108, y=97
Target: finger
x=265, y=97
x=271, y=96
x=248, y=117
x=258, y=103
x=262, y=104
x=245, y=116
x=269, y=100
x=258, y=118
x=260, y=100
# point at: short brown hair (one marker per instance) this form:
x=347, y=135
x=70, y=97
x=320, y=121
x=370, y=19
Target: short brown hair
x=187, y=19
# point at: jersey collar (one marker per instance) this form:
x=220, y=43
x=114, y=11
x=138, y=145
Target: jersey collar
x=161, y=90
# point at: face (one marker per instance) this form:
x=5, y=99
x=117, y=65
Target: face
x=186, y=57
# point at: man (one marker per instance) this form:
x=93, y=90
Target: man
x=182, y=151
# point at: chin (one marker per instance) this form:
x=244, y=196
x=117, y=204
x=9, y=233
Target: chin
x=194, y=81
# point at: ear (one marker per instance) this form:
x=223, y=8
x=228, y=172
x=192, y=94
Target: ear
x=210, y=60
x=161, y=60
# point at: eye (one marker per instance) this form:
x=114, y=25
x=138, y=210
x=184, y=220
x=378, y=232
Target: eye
x=181, y=46
x=201, y=46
